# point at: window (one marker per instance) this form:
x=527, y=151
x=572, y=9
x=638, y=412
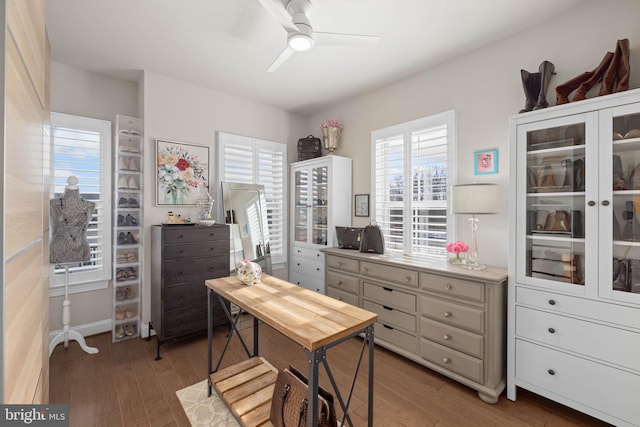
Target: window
x=81, y=147
x=411, y=163
x=254, y=161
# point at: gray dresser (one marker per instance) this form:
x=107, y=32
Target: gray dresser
x=445, y=317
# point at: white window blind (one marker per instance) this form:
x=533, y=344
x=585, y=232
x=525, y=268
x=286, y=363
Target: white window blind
x=411, y=163
x=81, y=147
x=254, y=161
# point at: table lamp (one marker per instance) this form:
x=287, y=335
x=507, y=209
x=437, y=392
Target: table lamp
x=474, y=199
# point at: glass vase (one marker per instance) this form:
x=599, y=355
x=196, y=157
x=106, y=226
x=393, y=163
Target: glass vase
x=456, y=258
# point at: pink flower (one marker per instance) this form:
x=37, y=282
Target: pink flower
x=457, y=247
x=333, y=123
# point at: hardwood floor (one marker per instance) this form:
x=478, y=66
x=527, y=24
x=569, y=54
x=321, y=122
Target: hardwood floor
x=123, y=385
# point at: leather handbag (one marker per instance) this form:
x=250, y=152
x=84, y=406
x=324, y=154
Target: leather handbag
x=348, y=237
x=621, y=275
x=372, y=240
x=289, y=406
x=558, y=221
x=309, y=148
x=619, y=182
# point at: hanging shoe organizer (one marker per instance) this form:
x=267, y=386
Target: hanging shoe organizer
x=127, y=226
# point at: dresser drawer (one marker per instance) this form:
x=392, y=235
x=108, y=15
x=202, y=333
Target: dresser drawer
x=345, y=264
x=343, y=282
x=398, y=275
x=188, y=321
x=454, y=287
x=390, y=297
x=608, y=313
x=192, y=234
x=194, y=270
x=600, y=387
x=184, y=296
x=453, y=314
x=195, y=250
x=457, y=339
x=396, y=337
x=309, y=282
x=309, y=266
x=308, y=253
x=454, y=361
x=391, y=316
x=342, y=296
x=610, y=344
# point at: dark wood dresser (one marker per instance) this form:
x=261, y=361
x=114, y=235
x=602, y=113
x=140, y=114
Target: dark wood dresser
x=182, y=258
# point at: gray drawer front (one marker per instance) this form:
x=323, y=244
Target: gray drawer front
x=342, y=296
x=398, y=275
x=183, y=296
x=190, y=234
x=458, y=339
x=194, y=270
x=343, y=282
x=454, y=287
x=453, y=314
x=346, y=264
x=452, y=360
x=390, y=297
x=391, y=316
x=396, y=337
x=196, y=250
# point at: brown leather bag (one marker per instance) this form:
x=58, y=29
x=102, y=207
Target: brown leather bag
x=558, y=221
x=289, y=405
x=546, y=180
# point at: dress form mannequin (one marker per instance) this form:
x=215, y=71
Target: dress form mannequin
x=69, y=217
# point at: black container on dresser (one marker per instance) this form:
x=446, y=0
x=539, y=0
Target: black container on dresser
x=182, y=258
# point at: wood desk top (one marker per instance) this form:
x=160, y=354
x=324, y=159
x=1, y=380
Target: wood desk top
x=306, y=317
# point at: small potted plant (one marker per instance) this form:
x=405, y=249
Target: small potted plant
x=331, y=131
x=457, y=251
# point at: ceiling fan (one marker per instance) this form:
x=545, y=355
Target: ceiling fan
x=294, y=18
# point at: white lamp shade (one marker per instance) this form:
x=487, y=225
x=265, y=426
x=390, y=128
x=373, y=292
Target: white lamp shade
x=474, y=199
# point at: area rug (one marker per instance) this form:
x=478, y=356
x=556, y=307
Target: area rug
x=203, y=410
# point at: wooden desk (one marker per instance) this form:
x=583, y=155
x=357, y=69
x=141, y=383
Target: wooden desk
x=314, y=321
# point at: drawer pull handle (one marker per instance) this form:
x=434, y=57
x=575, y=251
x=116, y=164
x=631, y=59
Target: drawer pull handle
x=387, y=289
x=447, y=314
x=447, y=286
x=551, y=372
x=407, y=279
x=317, y=269
x=446, y=337
x=318, y=255
x=552, y=331
x=339, y=282
x=552, y=302
x=299, y=251
x=446, y=360
x=387, y=308
x=387, y=326
x=365, y=269
x=340, y=263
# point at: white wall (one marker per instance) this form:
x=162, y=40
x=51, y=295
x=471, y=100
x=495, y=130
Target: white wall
x=181, y=111
x=484, y=88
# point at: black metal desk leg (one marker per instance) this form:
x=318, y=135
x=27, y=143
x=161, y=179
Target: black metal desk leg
x=255, y=336
x=369, y=335
x=209, y=335
x=314, y=358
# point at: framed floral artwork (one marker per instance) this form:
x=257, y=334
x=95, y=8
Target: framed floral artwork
x=182, y=172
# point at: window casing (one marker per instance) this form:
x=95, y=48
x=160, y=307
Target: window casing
x=81, y=146
x=411, y=168
x=254, y=161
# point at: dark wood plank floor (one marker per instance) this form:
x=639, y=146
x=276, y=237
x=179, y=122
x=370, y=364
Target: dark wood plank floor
x=123, y=385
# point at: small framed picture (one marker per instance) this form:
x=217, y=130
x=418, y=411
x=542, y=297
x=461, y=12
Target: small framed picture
x=362, y=204
x=485, y=162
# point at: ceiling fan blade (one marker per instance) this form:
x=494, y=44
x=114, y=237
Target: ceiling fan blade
x=281, y=59
x=326, y=39
x=278, y=11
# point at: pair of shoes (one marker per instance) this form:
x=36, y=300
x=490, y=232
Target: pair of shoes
x=120, y=313
x=126, y=239
x=121, y=293
x=119, y=332
x=583, y=82
x=535, y=86
x=128, y=164
x=123, y=202
x=131, y=256
x=128, y=221
x=130, y=132
x=129, y=146
x=129, y=329
x=128, y=182
x=121, y=276
x=616, y=78
x=131, y=272
x=122, y=258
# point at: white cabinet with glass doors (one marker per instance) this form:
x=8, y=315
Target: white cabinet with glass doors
x=574, y=266
x=320, y=200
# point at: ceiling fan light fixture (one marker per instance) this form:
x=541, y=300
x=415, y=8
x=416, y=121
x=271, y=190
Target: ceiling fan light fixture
x=300, y=42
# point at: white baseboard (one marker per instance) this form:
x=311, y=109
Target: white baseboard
x=87, y=329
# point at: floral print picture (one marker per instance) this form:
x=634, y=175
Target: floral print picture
x=183, y=171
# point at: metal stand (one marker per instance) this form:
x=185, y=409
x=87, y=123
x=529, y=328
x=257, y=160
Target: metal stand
x=66, y=333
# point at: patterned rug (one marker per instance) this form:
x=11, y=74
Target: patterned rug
x=204, y=411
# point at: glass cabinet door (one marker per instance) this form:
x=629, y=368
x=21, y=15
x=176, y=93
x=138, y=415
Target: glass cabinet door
x=302, y=204
x=552, y=197
x=320, y=205
x=622, y=282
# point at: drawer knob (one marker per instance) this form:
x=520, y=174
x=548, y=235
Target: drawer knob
x=298, y=264
x=447, y=314
x=339, y=282
x=447, y=286
x=551, y=331
x=407, y=279
x=365, y=269
x=551, y=372
x=446, y=360
x=552, y=302
x=340, y=263
x=317, y=269
x=446, y=337
x=318, y=255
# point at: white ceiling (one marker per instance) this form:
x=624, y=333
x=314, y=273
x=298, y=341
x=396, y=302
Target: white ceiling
x=228, y=45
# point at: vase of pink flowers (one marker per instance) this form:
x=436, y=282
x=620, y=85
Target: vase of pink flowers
x=457, y=252
x=331, y=131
